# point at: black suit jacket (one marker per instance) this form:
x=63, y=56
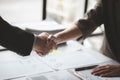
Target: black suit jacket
x=15, y=39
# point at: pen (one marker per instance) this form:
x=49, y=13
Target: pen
x=86, y=68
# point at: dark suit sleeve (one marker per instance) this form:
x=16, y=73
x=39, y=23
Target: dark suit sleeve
x=15, y=39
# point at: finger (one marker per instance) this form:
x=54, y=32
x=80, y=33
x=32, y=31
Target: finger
x=52, y=41
x=51, y=37
x=97, y=69
x=44, y=35
x=36, y=51
x=40, y=53
x=51, y=44
x=46, y=51
x=108, y=74
x=98, y=73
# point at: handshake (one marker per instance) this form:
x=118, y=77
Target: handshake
x=45, y=43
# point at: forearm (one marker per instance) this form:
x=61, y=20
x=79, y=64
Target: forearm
x=15, y=39
x=68, y=34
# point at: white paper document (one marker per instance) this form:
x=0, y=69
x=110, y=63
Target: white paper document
x=71, y=55
x=58, y=75
x=72, y=59
x=22, y=67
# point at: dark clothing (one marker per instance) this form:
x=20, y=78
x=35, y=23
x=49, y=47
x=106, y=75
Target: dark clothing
x=15, y=39
x=106, y=12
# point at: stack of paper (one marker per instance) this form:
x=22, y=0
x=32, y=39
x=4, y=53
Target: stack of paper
x=74, y=57
x=59, y=75
x=22, y=67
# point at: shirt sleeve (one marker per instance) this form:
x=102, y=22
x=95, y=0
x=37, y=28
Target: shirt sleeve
x=91, y=21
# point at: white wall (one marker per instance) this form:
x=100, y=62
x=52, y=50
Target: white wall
x=21, y=10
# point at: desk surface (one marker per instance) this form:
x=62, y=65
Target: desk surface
x=13, y=65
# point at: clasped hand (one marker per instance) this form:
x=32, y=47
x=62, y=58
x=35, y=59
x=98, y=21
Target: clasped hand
x=107, y=71
x=44, y=44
